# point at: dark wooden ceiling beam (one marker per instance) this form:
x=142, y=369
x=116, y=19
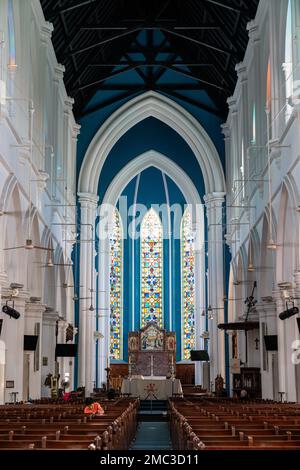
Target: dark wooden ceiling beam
x=110, y=101
x=102, y=42
x=231, y=7
x=198, y=42
x=69, y=8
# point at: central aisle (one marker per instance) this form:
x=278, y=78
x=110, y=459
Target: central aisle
x=152, y=435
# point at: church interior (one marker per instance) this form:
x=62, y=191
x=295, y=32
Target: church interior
x=150, y=225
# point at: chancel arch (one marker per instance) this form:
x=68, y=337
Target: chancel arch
x=131, y=171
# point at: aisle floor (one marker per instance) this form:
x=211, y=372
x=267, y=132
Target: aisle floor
x=152, y=435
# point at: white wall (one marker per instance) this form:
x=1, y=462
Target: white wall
x=40, y=183
x=266, y=187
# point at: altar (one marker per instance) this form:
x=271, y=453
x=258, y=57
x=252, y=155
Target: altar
x=151, y=388
x=151, y=352
x=152, y=364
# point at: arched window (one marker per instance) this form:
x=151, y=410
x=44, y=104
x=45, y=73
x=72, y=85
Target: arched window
x=151, y=269
x=268, y=88
x=288, y=60
x=187, y=285
x=269, y=99
x=116, y=287
x=11, y=35
x=242, y=168
x=253, y=140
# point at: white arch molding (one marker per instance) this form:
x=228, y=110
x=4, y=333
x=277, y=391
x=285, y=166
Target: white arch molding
x=188, y=189
x=151, y=104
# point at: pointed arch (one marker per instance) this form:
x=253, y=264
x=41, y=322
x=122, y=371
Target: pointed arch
x=116, y=286
x=151, y=104
x=151, y=236
x=187, y=285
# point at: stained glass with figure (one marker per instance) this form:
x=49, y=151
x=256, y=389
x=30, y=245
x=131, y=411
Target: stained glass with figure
x=116, y=307
x=151, y=269
x=188, y=285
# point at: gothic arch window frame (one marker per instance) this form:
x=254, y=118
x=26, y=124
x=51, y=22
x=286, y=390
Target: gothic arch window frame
x=288, y=59
x=157, y=272
x=185, y=317
x=12, y=53
x=116, y=217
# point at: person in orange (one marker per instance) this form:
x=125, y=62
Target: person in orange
x=93, y=408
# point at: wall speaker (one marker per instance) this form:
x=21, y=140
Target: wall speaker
x=201, y=355
x=288, y=313
x=271, y=342
x=30, y=342
x=66, y=350
x=11, y=312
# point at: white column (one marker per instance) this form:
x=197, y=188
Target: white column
x=241, y=71
x=46, y=45
x=86, y=354
x=3, y=281
x=58, y=78
x=232, y=184
x=282, y=352
x=104, y=303
x=227, y=140
x=214, y=202
x=277, y=91
x=33, y=317
x=48, y=347
x=257, y=92
x=199, y=253
x=13, y=332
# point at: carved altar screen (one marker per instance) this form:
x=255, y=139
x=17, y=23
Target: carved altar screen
x=151, y=351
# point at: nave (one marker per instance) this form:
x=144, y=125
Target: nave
x=149, y=225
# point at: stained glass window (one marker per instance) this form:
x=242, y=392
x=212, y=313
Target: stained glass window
x=151, y=269
x=288, y=64
x=187, y=285
x=11, y=35
x=116, y=298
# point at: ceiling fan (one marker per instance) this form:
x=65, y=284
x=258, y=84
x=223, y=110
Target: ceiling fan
x=28, y=246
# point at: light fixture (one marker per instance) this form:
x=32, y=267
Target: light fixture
x=251, y=268
x=297, y=208
x=203, y=313
x=209, y=308
x=271, y=245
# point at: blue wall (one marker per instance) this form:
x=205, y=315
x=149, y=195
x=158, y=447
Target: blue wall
x=150, y=189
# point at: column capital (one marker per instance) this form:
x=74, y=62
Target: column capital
x=253, y=31
x=46, y=32
x=226, y=131
x=59, y=71
x=69, y=102
x=75, y=130
x=214, y=199
x=241, y=70
x=34, y=308
x=88, y=199
x=232, y=104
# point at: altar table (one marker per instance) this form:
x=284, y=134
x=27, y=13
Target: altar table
x=151, y=388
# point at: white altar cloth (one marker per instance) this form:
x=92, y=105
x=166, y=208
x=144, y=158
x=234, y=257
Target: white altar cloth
x=151, y=388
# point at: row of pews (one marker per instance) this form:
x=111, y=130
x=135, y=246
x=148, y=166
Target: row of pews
x=212, y=424
x=65, y=427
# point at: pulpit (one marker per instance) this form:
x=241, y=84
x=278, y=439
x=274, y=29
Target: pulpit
x=152, y=351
